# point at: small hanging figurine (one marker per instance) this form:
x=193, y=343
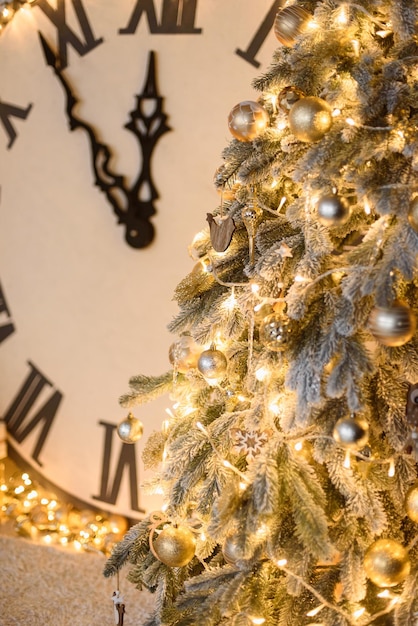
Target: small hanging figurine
x=118, y=606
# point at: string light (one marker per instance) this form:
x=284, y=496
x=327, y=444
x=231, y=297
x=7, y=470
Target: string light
x=315, y=611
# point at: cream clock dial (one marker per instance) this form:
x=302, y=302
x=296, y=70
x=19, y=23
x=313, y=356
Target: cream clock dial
x=81, y=309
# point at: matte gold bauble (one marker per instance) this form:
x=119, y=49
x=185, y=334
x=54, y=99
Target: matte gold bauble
x=275, y=331
x=333, y=210
x=291, y=22
x=310, y=119
x=392, y=326
x=175, y=546
x=183, y=354
x=351, y=433
x=411, y=503
x=212, y=364
x=247, y=120
x=130, y=429
x=413, y=214
x=288, y=97
x=387, y=563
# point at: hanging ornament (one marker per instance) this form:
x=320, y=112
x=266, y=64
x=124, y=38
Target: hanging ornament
x=310, y=119
x=130, y=429
x=291, y=22
x=212, y=364
x=392, y=326
x=175, y=546
x=288, y=97
x=275, y=331
x=183, y=354
x=411, y=503
x=250, y=442
x=221, y=231
x=233, y=550
x=247, y=120
x=387, y=563
x=351, y=433
x=251, y=216
x=413, y=214
x=333, y=210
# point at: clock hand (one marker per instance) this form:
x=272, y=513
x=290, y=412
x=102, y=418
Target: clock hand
x=133, y=206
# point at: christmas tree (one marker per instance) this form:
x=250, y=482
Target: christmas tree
x=288, y=466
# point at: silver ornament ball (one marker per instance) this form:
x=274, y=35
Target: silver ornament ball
x=333, y=210
x=392, y=326
x=212, y=364
x=351, y=433
x=130, y=429
x=247, y=120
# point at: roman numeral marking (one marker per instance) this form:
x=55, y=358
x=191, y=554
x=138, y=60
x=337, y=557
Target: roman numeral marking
x=177, y=17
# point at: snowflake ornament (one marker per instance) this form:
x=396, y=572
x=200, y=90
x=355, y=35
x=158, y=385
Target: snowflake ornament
x=249, y=442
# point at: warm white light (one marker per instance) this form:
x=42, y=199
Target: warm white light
x=358, y=613
x=350, y=121
x=312, y=24
x=230, y=303
x=384, y=594
x=200, y=426
x=281, y=124
x=347, y=460
x=282, y=563
x=243, y=486
x=315, y=611
x=202, y=536
x=281, y=203
x=391, y=470
x=19, y=489
x=274, y=408
x=159, y=491
x=47, y=539
x=257, y=620
x=255, y=288
x=274, y=184
x=261, y=374
x=298, y=446
x=301, y=279
x=342, y=16
x=367, y=208
x=356, y=46
x=336, y=112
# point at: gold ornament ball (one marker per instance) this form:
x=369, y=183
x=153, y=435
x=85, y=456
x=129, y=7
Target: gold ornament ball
x=411, y=503
x=291, y=22
x=212, y=364
x=387, y=563
x=274, y=332
x=247, y=120
x=413, y=214
x=288, y=97
x=130, y=429
x=251, y=215
x=175, y=546
x=333, y=210
x=183, y=354
x=310, y=119
x=392, y=326
x=351, y=433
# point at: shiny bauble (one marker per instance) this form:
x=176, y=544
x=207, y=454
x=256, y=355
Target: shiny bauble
x=288, y=97
x=392, y=326
x=333, y=210
x=351, y=433
x=413, y=214
x=291, y=22
x=175, y=546
x=130, y=429
x=212, y=364
x=183, y=354
x=247, y=120
x=387, y=563
x=274, y=332
x=233, y=551
x=411, y=503
x=310, y=119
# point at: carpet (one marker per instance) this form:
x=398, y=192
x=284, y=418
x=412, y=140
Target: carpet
x=49, y=586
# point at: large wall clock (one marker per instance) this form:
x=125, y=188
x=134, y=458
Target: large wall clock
x=80, y=309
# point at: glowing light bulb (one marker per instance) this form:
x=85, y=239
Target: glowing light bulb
x=342, y=16
x=281, y=124
x=350, y=121
x=336, y=112
x=298, y=446
x=391, y=470
x=282, y=563
x=358, y=613
x=255, y=288
x=261, y=374
x=367, y=208
x=315, y=611
x=347, y=460
x=257, y=620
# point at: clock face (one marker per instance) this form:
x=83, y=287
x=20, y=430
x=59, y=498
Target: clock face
x=81, y=310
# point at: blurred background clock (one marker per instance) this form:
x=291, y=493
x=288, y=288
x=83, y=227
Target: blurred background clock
x=82, y=310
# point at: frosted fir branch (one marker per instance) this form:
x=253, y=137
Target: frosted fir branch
x=122, y=550
x=146, y=389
